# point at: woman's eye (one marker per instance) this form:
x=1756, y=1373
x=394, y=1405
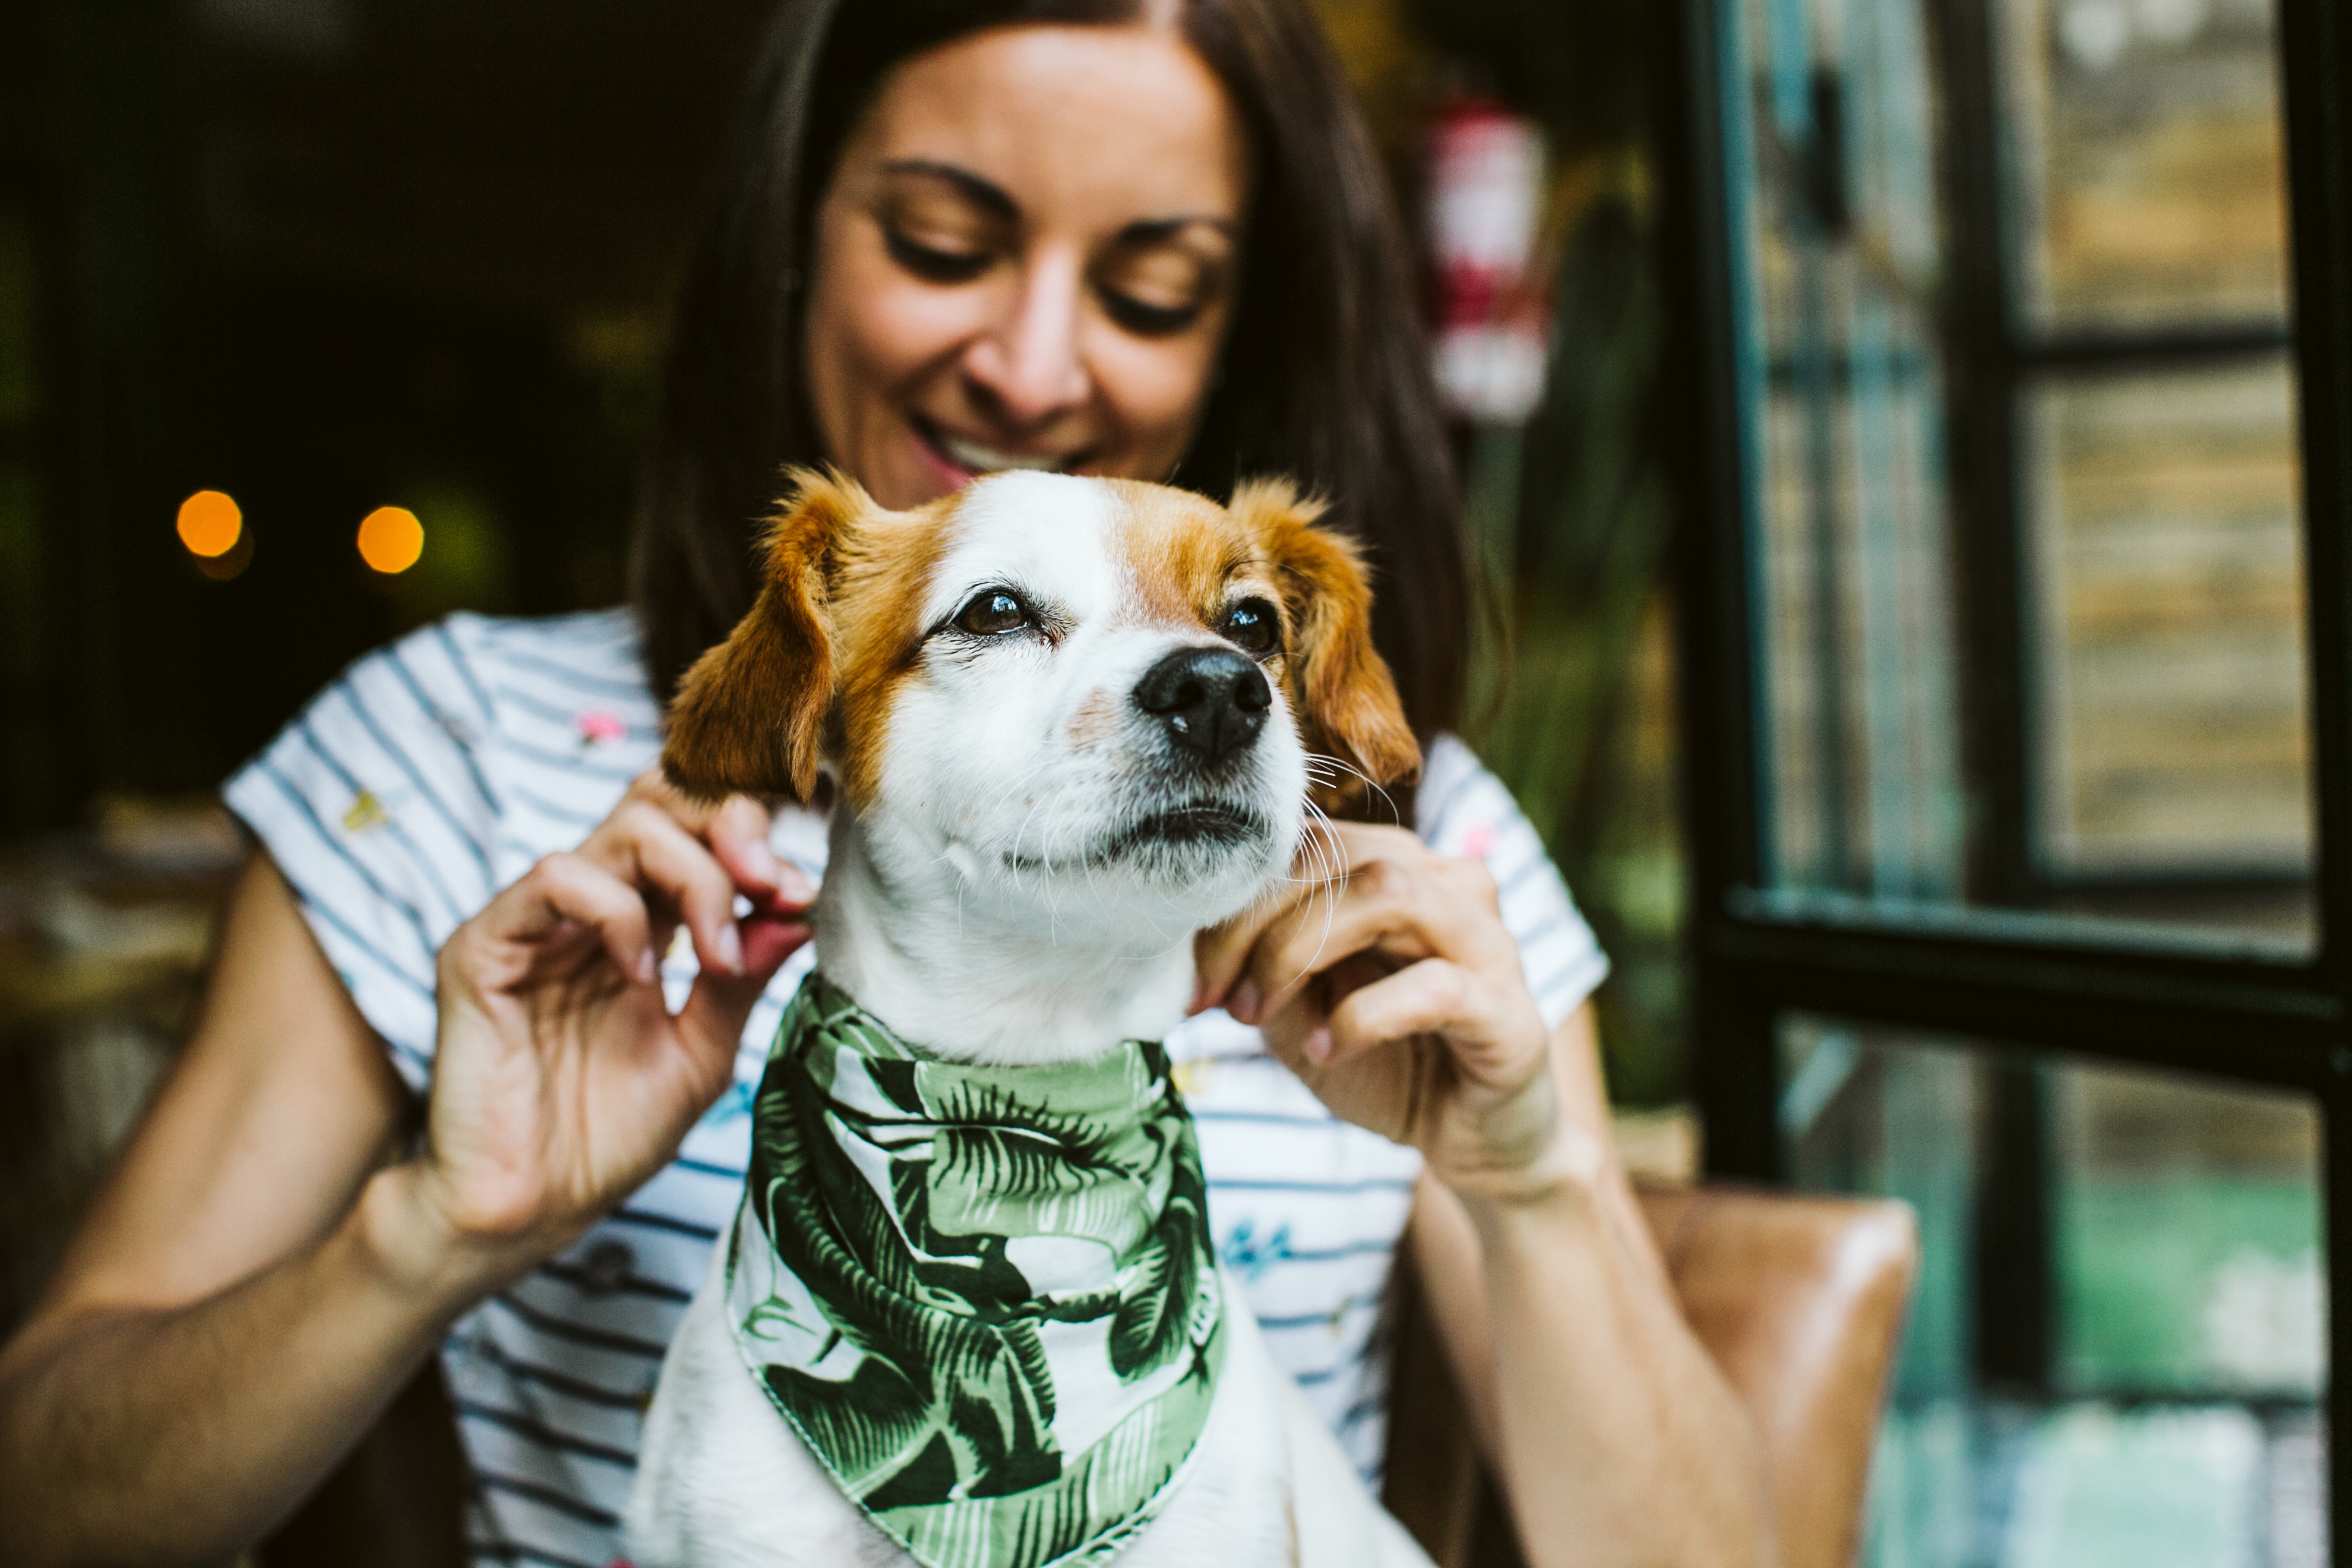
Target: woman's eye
x=934, y=264
x=1252, y=628
x=1159, y=285
x=992, y=613
x=1148, y=320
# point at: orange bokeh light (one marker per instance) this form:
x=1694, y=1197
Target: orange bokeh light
x=391, y=539
x=210, y=524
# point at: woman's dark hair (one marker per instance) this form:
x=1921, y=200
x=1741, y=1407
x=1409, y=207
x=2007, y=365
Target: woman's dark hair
x=1325, y=376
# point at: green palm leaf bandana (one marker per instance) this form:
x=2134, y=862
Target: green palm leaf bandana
x=984, y=1297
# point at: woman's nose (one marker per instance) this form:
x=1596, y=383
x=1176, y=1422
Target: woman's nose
x=1027, y=369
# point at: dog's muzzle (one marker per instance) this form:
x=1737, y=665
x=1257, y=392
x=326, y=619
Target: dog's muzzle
x=1213, y=702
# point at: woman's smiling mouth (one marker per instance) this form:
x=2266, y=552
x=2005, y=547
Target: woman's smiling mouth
x=973, y=458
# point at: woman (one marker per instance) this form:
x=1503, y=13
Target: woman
x=1118, y=238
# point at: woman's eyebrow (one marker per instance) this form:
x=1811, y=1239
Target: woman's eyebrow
x=1154, y=230
x=983, y=194
x=993, y=199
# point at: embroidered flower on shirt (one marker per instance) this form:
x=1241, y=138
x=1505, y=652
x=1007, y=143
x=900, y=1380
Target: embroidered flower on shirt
x=1476, y=842
x=597, y=727
x=1248, y=1257
x=365, y=812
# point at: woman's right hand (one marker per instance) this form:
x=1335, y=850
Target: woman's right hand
x=563, y=1082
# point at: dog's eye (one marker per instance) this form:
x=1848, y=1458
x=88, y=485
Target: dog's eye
x=1253, y=627
x=992, y=612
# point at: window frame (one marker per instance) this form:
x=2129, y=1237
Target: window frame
x=2052, y=992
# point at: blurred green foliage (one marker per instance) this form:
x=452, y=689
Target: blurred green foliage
x=1572, y=515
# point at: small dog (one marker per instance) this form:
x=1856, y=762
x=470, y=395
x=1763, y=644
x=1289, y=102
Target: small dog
x=970, y=1317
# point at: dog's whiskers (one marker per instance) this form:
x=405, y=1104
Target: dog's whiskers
x=1320, y=823
x=1348, y=769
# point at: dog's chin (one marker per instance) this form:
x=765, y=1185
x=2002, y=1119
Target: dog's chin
x=1215, y=851
x=1213, y=830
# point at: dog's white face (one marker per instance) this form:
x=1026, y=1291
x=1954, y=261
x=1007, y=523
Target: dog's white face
x=1089, y=731
x=1081, y=713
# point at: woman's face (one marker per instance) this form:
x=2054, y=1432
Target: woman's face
x=1026, y=260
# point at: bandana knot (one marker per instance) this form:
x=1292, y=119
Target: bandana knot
x=984, y=1297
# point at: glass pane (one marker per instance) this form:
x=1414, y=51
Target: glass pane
x=1854, y=581
x=2176, y=1418
x=2149, y=766
x=2187, y=1234
x=2163, y=508
x=2150, y=182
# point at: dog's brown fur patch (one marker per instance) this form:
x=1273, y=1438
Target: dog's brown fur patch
x=1346, y=699
x=749, y=716
x=878, y=593
x=1182, y=553
x=832, y=634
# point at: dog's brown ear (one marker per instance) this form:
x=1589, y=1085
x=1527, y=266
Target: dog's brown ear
x=1341, y=686
x=749, y=718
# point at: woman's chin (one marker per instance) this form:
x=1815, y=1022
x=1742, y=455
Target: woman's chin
x=907, y=476
x=940, y=475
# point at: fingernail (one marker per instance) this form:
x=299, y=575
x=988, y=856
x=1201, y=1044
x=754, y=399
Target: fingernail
x=648, y=967
x=1244, y=1001
x=764, y=863
x=793, y=883
x=1318, y=1043
x=730, y=950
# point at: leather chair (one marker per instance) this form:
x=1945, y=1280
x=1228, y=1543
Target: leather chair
x=1800, y=1300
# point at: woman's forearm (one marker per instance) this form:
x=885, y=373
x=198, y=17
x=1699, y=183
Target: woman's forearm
x=1619, y=1442
x=181, y=1435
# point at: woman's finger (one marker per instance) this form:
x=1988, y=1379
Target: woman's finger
x=1346, y=917
x=739, y=837
x=1492, y=1038
x=1354, y=843
x=1221, y=951
x=1403, y=909
x=645, y=845
x=1435, y=996
x=719, y=1005
x=569, y=887
x=1218, y=952
x=737, y=830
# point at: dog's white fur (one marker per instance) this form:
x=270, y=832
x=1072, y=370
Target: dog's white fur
x=981, y=903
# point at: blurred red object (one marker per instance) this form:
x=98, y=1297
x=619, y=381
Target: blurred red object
x=1486, y=192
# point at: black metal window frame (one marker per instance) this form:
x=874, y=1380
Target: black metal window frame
x=2044, y=989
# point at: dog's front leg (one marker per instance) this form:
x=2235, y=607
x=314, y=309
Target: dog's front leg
x=722, y=1480
x=1269, y=1487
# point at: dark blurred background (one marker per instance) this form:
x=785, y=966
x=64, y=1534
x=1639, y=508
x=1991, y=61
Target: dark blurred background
x=323, y=255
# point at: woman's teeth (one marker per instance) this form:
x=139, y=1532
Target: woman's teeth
x=972, y=458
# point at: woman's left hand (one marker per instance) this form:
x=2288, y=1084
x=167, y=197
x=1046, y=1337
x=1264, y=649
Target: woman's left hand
x=1388, y=981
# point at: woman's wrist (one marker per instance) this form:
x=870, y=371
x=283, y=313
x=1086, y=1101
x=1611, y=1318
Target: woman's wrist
x=1565, y=1173
x=1520, y=1147
x=410, y=1244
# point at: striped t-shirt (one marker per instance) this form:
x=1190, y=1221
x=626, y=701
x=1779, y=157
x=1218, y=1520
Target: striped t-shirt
x=439, y=769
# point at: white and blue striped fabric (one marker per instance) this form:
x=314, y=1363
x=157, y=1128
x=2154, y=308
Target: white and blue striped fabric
x=439, y=769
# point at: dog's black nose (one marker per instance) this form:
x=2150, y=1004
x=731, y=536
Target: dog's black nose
x=1212, y=700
